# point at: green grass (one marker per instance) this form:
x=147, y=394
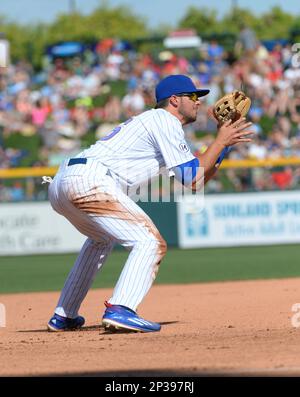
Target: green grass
x=48, y=272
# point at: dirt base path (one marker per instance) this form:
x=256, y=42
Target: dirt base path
x=230, y=328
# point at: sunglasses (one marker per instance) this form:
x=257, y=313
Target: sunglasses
x=193, y=96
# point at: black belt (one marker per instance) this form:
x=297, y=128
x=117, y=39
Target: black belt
x=79, y=160
x=82, y=160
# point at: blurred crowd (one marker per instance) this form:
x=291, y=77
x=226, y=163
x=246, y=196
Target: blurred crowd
x=72, y=102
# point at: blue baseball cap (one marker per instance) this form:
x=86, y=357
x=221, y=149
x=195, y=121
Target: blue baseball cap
x=176, y=84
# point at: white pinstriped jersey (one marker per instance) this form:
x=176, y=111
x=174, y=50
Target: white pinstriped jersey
x=139, y=148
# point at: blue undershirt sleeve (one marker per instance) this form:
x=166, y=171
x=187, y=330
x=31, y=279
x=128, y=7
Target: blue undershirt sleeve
x=223, y=154
x=186, y=172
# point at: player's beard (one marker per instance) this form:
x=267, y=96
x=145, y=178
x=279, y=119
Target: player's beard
x=188, y=113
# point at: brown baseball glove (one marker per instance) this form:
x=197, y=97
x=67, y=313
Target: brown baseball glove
x=231, y=107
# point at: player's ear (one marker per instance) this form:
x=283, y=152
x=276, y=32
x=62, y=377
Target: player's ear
x=174, y=100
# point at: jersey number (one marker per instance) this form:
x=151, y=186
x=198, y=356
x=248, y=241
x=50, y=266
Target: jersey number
x=116, y=130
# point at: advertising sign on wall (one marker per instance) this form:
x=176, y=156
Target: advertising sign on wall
x=240, y=219
x=31, y=228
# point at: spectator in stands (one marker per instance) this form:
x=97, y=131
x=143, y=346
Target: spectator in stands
x=40, y=111
x=247, y=41
x=133, y=103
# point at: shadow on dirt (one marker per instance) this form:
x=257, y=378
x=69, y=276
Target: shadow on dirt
x=98, y=328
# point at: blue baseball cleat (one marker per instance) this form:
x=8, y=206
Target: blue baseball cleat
x=58, y=323
x=117, y=317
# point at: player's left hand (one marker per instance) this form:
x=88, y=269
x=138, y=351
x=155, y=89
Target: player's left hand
x=231, y=107
x=232, y=133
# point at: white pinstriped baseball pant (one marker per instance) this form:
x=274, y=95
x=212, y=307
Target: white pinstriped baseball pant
x=92, y=202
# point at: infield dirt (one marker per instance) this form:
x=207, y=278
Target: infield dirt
x=229, y=328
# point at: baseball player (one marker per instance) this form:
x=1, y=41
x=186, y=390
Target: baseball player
x=90, y=191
